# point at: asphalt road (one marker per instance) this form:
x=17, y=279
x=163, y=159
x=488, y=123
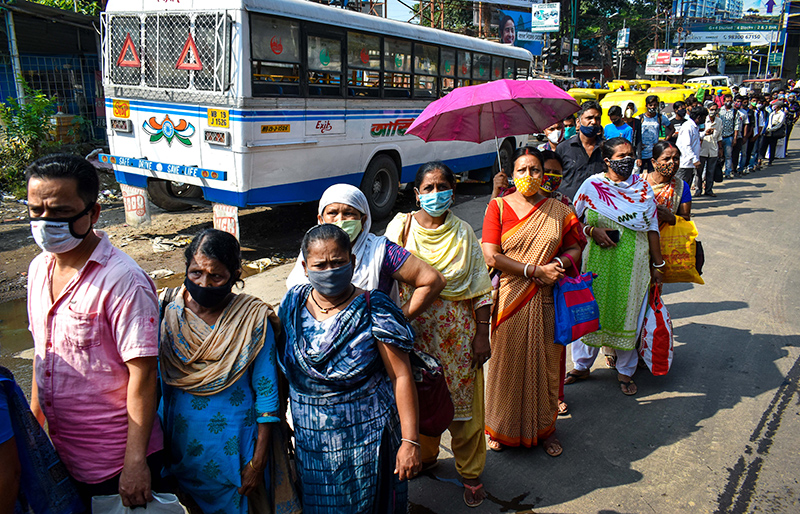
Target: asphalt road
x=720, y=433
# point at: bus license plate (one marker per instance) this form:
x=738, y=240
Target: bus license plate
x=218, y=118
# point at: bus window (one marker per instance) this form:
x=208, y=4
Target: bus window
x=523, y=67
x=508, y=68
x=448, y=70
x=480, y=68
x=164, y=49
x=324, y=66
x=497, y=68
x=363, y=65
x=426, y=66
x=120, y=28
x=275, y=51
x=397, y=68
x=464, y=69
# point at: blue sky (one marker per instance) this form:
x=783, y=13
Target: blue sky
x=398, y=11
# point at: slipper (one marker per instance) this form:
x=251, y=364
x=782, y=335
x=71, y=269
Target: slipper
x=563, y=409
x=474, y=489
x=494, y=445
x=572, y=377
x=611, y=361
x=623, y=385
x=549, y=445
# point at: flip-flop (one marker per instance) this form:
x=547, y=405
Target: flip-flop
x=549, y=444
x=611, y=361
x=474, y=489
x=563, y=409
x=627, y=386
x=571, y=378
x=494, y=445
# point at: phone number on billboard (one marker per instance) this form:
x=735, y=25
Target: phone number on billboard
x=742, y=37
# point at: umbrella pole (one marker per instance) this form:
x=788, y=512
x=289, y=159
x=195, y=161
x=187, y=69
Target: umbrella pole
x=496, y=145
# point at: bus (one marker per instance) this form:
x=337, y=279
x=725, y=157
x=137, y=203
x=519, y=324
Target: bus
x=265, y=102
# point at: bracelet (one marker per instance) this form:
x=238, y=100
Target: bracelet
x=251, y=465
x=525, y=271
x=584, y=230
x=410, y=441
x=659, y=270
x=559, y=261
x=663, y=263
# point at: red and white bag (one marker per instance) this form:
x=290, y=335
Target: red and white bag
x=655, y=346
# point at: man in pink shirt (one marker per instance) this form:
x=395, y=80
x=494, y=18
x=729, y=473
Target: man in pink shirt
x=94, y=318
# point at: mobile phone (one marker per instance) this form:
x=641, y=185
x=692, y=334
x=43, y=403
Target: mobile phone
x=613, y=235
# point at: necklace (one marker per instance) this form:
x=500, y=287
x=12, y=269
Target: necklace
x=325, y=310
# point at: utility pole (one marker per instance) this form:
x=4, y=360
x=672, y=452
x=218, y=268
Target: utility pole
x=619, y=53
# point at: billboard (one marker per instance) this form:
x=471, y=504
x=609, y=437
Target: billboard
x=753, y=34
x=664, y=62
x=728, y=22
x=545, y=17
x=514, y=28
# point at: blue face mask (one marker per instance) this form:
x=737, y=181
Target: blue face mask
x=702, y=126
x=569, y=132
x=331, y=282
x=589, y=131
x=436, y=204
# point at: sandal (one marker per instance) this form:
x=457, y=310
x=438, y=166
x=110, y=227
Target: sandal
x=474, y=489
x=552, y=446
x=625, y=387
x=572, y=377
x=611, y=361
x=494, y=445
x=563, y=409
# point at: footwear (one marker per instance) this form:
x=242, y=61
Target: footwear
x=625, y=387
x=699, y=194
x=473, y=489
x=494, y=445
x=713, y=195
x=563, y=408
x=611, y=361
x=573, y=377
x=552, y=446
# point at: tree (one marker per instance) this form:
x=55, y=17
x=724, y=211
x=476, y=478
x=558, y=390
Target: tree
x=88, y=7
x=457, y=15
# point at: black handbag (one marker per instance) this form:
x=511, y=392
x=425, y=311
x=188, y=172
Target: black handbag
x=719, y=171
x=699, y=257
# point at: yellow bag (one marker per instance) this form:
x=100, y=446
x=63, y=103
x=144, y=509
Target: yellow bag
x=679, y=249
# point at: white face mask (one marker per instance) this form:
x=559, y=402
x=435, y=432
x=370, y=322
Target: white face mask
x=554, y=136
x=56, y=235
x=629, y=113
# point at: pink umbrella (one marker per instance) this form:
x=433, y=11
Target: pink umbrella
x=494, y=109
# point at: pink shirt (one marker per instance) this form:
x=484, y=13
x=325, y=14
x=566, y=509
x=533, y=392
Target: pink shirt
x=106, y=315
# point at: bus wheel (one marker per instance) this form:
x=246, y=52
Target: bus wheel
x=506, y=151
x=380, y=186
x=167, y=195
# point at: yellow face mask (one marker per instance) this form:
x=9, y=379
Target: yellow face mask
x=527, y=185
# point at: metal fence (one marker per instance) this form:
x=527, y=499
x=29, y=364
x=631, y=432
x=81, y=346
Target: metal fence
x=75, y=82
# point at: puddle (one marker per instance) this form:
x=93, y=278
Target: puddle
x=16, y=344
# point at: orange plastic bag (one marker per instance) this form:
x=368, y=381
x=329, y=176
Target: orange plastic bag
x=679, y=249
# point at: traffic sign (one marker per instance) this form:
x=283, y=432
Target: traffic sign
x=775, y=59
x=623, y=37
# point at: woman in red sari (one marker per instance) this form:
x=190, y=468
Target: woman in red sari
x=528, y=236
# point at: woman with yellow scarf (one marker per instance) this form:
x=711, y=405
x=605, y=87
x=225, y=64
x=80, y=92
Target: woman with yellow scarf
x=455, y=328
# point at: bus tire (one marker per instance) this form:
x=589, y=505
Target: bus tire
x=166, y=194
x=380, y=185
x=506, y=151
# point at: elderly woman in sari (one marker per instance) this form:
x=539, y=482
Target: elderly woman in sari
x=617, y=202
x=219, y=374
x=672, y=195
x=533, y=240
x=379, y=262
x=455, y=328
x=352, y=395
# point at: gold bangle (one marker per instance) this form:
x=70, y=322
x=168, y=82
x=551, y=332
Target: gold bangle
x=487, y=322
x=251, y=465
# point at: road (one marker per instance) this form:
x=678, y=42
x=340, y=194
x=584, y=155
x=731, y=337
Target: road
x=720, y=432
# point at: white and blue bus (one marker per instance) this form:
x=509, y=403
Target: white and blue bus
x=262, y=102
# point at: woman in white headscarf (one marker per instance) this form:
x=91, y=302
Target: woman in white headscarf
x=379, y=262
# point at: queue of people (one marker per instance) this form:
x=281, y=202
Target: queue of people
x=188, y=392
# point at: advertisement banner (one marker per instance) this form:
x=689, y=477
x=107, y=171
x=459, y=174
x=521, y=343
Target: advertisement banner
x=623, y=38
x=753, y=34
x=545, y=17
x=514, y=28
x=664, y=62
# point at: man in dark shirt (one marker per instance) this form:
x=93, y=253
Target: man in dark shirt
x=581, y=153
x=679, y=108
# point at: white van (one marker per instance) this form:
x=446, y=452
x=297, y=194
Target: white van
x=713, y=80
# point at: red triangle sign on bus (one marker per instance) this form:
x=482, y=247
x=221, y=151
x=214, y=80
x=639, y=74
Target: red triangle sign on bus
x=127, y=46
x=183, y=61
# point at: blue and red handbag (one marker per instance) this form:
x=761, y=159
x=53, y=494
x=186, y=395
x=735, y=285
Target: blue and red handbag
x=577, y=313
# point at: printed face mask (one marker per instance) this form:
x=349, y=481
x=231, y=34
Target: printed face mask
x=551, y=182
x=622, y=167
x=436, y=204
x=527, y=185
x=554, y=136
x=331, y=282
x=57, y=235
x=352, y=227
x=665, y=168
x=208, y=297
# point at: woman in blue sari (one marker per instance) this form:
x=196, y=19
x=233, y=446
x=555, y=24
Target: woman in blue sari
x=352, y=395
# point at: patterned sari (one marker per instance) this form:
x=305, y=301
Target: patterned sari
x=669, y=193
x=524, y=371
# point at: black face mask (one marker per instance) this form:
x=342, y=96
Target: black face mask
x=208, y=297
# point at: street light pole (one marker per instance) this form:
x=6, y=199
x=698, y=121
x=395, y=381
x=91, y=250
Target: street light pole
x=619, y=52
